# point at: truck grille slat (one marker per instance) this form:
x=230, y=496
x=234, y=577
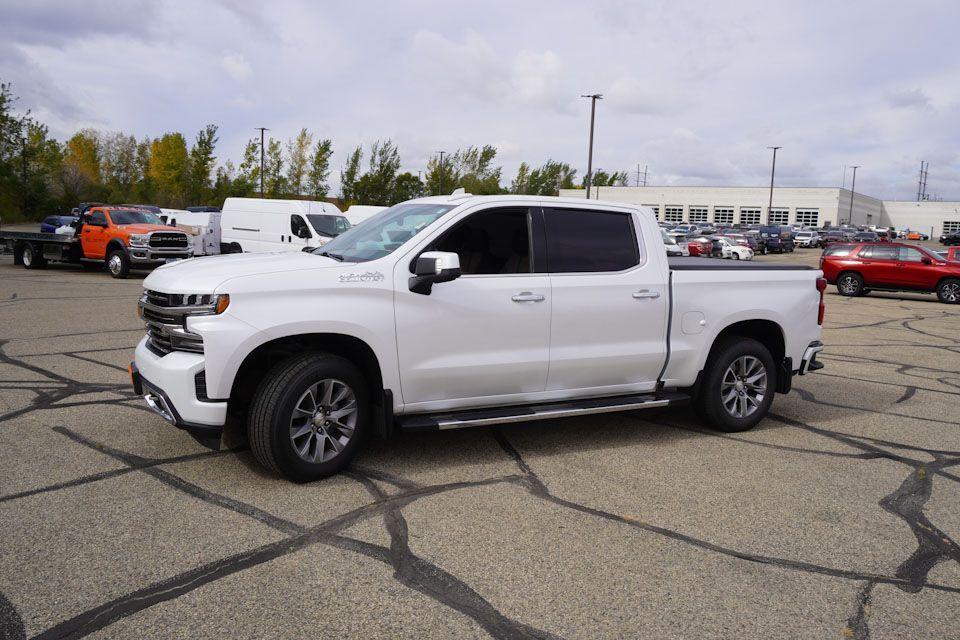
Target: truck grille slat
x=165, y=240
x=165, y=314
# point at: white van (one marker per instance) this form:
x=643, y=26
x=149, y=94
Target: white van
x=255, y=225
x=357, y=213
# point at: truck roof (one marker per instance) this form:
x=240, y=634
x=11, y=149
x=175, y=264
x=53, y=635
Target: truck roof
x=468, y=198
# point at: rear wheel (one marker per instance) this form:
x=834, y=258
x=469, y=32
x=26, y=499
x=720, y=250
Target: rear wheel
x=737, y=386
x=309, y=416
x=31, y=258
x=735, y=255
x=118, y=263
x=850, y=284
x=948, y=291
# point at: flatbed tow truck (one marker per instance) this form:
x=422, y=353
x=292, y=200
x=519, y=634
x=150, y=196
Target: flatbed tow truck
x=116, y=238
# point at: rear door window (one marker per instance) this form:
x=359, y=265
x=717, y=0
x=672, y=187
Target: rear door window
x=589, y=241
x=876, y=252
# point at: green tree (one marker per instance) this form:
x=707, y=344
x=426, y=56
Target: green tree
x=550, y=177
x=168, y=169
x=441, y=178
x=202, y=162
x=319, y=170
x=601, y=178
x=406, y=187
x=349, y=176
x=471, y=168
x=119, y=167
x=249, y=173
x=275, y=182
x=521, y=184
x=298, y=160
x=143, y=189
x=377, y=185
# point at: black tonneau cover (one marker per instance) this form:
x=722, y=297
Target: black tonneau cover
x=716, y=264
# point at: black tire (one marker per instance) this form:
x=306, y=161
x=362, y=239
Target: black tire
x=269, y=419
x=31, y=257
x=948, y=291
x=709, y=405
x=118, y=264
x=850, y=284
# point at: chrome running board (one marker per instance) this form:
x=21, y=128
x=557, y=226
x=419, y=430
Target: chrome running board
x=530, y=412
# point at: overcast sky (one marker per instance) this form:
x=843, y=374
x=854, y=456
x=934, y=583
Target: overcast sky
x=695, y=90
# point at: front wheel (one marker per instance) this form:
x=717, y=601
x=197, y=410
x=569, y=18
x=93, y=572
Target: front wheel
x=735, y=256
x=948, y=291
x=309, y=416
x=737, y=386
x=850, y=284
x=118, y=264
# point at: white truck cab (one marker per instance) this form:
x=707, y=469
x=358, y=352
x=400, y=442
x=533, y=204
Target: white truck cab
x=448, y=312
x=255, y=225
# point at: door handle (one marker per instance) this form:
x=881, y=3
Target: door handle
x=526, y=296
x=646, y=293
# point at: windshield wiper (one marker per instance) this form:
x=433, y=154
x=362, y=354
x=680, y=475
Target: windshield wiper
x=335, y=256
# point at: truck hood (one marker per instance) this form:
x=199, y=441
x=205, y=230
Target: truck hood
x=205, y=274
x=146, y=228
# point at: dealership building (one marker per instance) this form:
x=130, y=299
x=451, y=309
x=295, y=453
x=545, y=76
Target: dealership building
x=808, y=206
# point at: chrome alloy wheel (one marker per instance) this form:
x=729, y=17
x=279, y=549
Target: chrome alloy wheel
x=951, y=292
x=744, y=386
x=323, y=420
x=27, y=256
x=115, y=264
x=847, y=285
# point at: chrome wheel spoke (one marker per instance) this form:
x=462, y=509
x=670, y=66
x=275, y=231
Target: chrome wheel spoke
x=323, y=420
x=743, y=386
x=345, y=411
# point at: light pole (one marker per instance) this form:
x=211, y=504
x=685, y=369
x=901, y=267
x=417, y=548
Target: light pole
x=593, y=112
x=853, y=185
x=440, y=193
x=773, y=169
x=261, y=130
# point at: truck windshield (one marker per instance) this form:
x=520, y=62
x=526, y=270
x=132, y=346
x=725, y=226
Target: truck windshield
x=327, y=225
x=121, y=216
x=383, y=234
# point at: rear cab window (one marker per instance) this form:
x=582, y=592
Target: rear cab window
x=590, y=241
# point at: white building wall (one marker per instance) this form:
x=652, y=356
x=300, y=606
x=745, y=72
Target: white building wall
x=927, y=217
x=831, y=203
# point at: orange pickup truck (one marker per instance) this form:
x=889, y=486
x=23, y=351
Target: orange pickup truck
x=117, y=238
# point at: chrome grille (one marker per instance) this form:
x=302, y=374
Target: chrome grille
x=165, y=315
x=168, y=240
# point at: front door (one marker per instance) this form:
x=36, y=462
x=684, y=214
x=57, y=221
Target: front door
x=610, y=303
x=93, y=236
x=484, y=337
x=914, y=273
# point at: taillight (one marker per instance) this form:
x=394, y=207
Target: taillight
x=821, y=287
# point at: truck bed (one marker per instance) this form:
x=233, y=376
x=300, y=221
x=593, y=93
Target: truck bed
x=36, y=236
x=717, y=264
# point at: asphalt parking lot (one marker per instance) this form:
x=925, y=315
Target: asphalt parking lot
x=837, y=517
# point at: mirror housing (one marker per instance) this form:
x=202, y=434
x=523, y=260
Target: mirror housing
x=433, y=267
x=926, y=260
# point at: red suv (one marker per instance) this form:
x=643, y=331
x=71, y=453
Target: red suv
x=857, y=268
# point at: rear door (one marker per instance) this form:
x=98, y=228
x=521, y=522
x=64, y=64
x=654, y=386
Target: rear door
x=610, y=302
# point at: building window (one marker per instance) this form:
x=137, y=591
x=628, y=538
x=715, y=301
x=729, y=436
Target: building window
x=949, y=226
x=698, y=214
x=673, y=214
x=723, y=215
x=779, y=216
x=749, y=216
x=808, y=217
x=656, y=210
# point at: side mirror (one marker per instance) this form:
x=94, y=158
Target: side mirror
x=434, y=267
x=926, y=260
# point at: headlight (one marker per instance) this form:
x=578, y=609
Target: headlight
x=139, y=239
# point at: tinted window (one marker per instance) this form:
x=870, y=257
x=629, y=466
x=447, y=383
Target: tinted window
x=129, y=216
x=909, y=254
x=587, y=241
x=876, y=252
x=98, y=217
x=491, y=241
x=299, y=227
x=327, y=225
x=50, y=220
x=837, y=250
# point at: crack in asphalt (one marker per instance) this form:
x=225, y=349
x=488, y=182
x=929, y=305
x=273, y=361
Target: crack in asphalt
x=418, y=574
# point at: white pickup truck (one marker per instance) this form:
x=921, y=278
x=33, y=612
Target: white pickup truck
x=459, y=311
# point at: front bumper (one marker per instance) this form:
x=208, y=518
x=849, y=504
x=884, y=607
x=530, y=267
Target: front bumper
x=147, y=254
x=168, y=384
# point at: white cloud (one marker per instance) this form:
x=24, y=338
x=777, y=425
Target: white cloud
x=236, y=65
